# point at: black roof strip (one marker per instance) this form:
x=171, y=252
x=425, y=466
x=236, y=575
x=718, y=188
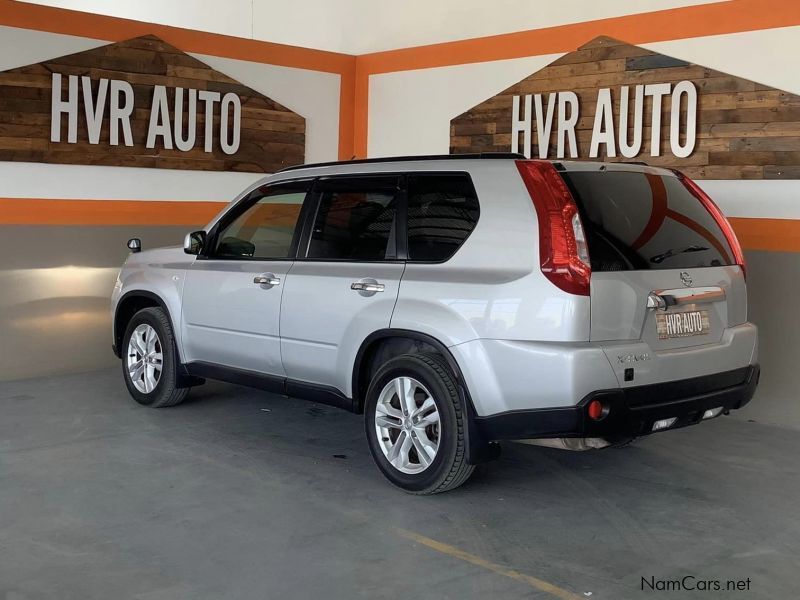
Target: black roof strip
x=366, y=161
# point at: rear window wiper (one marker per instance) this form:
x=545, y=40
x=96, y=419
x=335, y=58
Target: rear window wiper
x=659, y=258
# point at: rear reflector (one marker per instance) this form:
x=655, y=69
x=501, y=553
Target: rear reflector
x=664, y=423
x=712, y=412
x=563, y=252
x=595, y=410
x=724, y=224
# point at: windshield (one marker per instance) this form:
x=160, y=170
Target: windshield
x=638, y=221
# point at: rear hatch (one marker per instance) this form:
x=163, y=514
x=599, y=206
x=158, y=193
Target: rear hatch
x=667, y=277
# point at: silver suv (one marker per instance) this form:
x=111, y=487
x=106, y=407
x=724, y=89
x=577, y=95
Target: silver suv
x=456, y=301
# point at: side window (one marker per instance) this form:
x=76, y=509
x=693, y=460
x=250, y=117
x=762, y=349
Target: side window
x=355, y=219
x=442, y=212
x=266, y=228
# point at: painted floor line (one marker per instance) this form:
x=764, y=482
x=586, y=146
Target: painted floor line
x=449, y=550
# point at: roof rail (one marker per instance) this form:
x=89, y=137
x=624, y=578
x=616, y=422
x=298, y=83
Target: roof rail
x=361, y=161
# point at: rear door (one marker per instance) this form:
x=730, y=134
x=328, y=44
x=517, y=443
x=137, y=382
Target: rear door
x=664, y=275
x=344, y=283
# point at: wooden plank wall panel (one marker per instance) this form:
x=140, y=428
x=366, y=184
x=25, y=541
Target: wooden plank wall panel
x=745, y=130
x=272, y=136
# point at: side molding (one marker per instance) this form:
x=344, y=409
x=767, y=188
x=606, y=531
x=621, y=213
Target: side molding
x=270, y=383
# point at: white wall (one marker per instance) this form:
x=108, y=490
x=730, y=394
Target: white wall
x=418, y=22
x=766, y=56
x=20, y=47
x=361, y=26
x=312, y=94
x=229, y=17
x=410, y=111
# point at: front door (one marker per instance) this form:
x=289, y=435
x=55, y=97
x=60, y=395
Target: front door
x=344, y=284
x=232, y=294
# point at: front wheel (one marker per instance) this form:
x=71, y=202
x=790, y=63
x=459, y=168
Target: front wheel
x=415, y=425
x=149, y=362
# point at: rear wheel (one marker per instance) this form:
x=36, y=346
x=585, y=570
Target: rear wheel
x=149, y=362
x=415, y=425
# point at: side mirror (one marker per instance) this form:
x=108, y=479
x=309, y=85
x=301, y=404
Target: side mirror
x=135, y=245
x=194, y=242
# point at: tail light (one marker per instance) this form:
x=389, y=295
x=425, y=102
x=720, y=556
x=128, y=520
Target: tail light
x=724, y=224
x=563, y=252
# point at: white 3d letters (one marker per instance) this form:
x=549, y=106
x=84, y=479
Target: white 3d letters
x=606, y=140
x=172, y=119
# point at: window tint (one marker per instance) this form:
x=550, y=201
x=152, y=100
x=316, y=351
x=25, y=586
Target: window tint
x=442, y=212
x=355, y=219
x=638, y=221
x=265, y=229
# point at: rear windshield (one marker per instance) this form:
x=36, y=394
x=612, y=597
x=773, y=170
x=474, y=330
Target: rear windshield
x=636, y=221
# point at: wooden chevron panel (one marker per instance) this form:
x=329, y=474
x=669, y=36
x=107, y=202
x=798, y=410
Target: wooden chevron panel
x=271, y=136
x=745, y=130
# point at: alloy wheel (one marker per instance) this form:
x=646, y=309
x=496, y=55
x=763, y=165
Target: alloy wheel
x=407, y=424
x=145, y=358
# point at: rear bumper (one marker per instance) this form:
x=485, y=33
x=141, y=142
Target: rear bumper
x=631, y=411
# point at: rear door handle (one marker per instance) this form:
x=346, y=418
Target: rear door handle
x=266, y=279
x=363, y=286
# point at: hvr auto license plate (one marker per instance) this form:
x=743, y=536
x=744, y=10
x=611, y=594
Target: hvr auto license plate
x=682, y=324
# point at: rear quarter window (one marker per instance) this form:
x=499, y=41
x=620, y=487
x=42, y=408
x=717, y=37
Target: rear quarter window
x=442, y=212
x=640, y=221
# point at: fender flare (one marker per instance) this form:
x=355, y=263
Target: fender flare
x=137, y=294
x=402, y=333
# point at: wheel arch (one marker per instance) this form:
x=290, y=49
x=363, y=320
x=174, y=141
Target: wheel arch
x=128, y=305
x=374, y=340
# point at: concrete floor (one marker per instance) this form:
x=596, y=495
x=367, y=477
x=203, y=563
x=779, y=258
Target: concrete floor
x=240, y=494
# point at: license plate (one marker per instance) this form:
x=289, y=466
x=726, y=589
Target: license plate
x=682, y=324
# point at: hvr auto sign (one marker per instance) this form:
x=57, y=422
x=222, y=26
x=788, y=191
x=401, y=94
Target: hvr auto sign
x=118, y=97
x=531, y=112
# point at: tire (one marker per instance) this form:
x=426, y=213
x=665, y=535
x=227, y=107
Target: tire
x=165, y=392
x=410, y=434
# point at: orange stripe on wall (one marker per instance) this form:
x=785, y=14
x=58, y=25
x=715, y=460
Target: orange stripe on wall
x=347, y=100
x=732, y=16
x=777, y=235
x=360, y=110
x=27, y=211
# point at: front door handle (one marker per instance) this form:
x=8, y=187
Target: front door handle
x=364, y=286
x=266, y=279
